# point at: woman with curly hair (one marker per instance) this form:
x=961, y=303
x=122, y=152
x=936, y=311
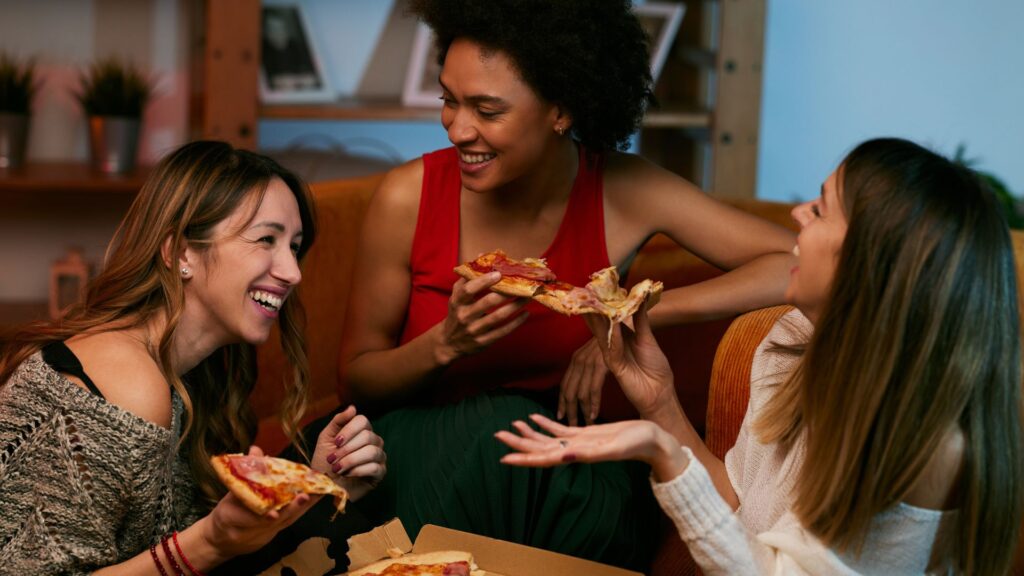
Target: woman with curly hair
x=109, y=417
x=884, y=431
x=539, y=96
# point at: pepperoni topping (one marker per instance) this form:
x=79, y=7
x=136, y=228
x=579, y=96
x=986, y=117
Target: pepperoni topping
x=507, y=267
x=457, y=569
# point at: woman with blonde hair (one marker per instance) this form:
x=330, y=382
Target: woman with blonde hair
x=890, y=439
x=109, y=417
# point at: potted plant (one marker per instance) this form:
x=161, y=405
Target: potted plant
x=113, y=95
x=17, y=87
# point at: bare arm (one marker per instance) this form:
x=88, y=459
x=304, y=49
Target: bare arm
x=375, y=366
x=643, y=199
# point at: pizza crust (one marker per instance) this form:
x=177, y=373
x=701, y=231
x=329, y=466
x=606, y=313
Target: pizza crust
x=245, y=493
x=437, y=557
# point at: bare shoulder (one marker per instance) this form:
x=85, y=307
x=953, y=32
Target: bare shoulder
x=937, y=487
x=125, y=374
x=401, y=187
x=630, y=175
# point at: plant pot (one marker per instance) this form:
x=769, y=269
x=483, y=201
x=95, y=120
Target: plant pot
x=113, y=142
x=13, y=139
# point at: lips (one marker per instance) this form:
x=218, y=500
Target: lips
x=473, y=158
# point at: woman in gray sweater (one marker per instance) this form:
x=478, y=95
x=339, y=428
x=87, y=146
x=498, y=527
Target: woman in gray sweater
x=108, y=418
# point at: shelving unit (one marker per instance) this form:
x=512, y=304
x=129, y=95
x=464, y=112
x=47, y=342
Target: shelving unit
x=41, y=184
x=706, y=128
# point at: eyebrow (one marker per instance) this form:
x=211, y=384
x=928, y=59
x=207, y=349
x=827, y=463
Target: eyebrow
x=478, y=98
x=274, y=225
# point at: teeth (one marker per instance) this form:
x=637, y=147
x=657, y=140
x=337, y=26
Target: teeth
x=266, y=299
x=796, y=251
x=475, y=158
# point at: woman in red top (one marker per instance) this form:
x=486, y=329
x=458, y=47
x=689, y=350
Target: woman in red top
x=538, y=98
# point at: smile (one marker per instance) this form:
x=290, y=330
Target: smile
x=267, y=300
x=476, y=158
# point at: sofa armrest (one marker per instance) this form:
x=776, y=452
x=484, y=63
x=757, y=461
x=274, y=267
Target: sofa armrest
x=729, y=389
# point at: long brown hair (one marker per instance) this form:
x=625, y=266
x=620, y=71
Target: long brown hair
x=188, y=193
x=920, y=334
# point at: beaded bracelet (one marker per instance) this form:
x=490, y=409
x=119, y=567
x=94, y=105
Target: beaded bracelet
x=156, y=559
x=184, y=559
x=174, y=563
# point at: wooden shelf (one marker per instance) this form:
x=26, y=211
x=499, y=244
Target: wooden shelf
x=352, y=109
x=75, y=177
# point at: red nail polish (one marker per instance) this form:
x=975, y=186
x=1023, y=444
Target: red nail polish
x=339, y=441
x=568, y=457
x=331, y=458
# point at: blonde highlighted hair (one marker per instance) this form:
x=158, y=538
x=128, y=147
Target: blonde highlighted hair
x=188, y=193
x=920, y=335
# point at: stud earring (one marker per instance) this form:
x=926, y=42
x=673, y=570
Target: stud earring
x=560, y=130
x=185, y=271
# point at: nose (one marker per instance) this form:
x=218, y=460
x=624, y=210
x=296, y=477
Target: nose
x=461, y=129
x=286, y=268
x=801, y=213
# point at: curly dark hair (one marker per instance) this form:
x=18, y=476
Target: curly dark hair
x=590, y=57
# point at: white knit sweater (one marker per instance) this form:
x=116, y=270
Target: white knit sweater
x=764, y=536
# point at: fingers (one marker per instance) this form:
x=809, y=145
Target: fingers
x=598, y=325
x=255, y=450
x=552, y=427
x=364, y=447
x=369, y=460
x=596, y=389
x=333, y=430
x=567, y=393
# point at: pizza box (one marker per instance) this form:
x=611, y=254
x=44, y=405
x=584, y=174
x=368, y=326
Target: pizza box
x=494, y=557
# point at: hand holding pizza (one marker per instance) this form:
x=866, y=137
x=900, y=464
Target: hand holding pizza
x=351, y=453
x=232, y=528
x=474, y=321
x=637, y=362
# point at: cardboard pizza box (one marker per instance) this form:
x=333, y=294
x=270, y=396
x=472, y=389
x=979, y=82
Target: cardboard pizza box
x=495, y=557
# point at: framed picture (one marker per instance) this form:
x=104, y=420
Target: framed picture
x=661, y=22
x=290, y=67
x=421, y=79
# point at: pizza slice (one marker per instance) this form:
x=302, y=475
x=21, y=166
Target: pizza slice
x=520, y=278
x=439, y=563
x=602, y=295
x=266, y=483
x=531, y=278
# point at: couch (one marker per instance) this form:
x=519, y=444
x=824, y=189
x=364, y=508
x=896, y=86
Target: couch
x=327, y=277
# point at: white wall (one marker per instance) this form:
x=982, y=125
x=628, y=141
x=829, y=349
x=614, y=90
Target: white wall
x=64, y=36
x=939, y=72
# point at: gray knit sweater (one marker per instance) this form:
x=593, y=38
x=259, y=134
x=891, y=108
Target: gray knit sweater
x=83, y=483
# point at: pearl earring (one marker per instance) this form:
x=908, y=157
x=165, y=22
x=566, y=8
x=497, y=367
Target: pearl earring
x=185, y=271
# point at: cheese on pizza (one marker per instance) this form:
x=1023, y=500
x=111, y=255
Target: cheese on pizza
x=439, y=563
x=266, y=483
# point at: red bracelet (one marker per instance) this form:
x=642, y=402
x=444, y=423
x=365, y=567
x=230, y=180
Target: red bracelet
x=170, y=557
x=159, y=565
x=184, y=559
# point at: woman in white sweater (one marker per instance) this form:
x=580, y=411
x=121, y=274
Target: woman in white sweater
x=884, y=432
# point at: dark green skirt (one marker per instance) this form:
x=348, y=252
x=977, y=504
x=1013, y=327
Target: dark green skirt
x=444, y=469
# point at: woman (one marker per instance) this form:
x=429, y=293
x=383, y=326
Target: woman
x=893, y=443
x=538, y=96
x=109, y=417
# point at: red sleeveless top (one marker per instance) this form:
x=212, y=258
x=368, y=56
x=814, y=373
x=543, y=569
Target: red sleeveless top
x=534, y=356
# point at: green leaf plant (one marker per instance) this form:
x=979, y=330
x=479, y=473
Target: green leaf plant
x=112, y=87
x=17, y=85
